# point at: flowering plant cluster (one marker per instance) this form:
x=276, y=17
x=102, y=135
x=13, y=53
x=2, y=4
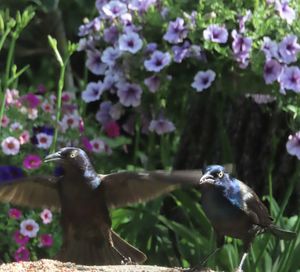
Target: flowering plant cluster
x=28, y=235
x=135, y=69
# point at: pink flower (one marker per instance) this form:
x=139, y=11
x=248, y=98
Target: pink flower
x=44, y=140
x=46, y=216
x=70, y=121
x=10, y=146
x=20, y=238
x=22, y=254
x=86, y=143
x=29, y=228
x=14, y=213
x=12, y=97
x=4, y=121
x=47, y=107
x=98, y=145
x=24, y=137
x=31, y=100
x=46, y=240
x=67, y=96
x=32, y=161
x=112, y=129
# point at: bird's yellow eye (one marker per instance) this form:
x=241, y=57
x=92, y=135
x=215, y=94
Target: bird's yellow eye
x=73, y=154
x=220, y=174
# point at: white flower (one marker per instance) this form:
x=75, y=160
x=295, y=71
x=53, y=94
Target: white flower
x=70, y=121
x=46, y=216
x=29, y=228
x=44, y=140
x=98, y=145
x=10, y=146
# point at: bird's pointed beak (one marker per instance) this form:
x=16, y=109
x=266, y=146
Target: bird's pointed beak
x=53, y=157
x=206, y=178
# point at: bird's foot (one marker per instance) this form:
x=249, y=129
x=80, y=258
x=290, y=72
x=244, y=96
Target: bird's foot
x=239, y=270
x=127, y=261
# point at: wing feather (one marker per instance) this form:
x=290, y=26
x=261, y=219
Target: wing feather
x=124, y=188
x=33, y=192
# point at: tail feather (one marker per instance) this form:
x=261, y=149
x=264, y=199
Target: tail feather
x=128, y=250
x=89, y=253
x=281, y=233
x=93, y=252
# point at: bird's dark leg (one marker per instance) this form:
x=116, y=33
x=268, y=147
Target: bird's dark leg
x=247, y=243
x=220, y=243
x=240, y=267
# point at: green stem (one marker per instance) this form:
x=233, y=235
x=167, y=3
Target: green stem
x=6, y=75
x=9, y=61
x=58, y=104
x=3, y=38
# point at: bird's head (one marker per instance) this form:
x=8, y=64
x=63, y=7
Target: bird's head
x=214, y=175
x=69, y=156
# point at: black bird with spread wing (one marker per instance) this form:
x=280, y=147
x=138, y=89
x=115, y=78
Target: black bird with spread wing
x=85, y=197
x=235, y=210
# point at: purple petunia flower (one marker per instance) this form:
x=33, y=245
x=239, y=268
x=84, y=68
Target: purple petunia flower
x=152, y=83
x=243, y=19
x=92, y=92
x=176, y=32
x=141, y=5
x=216, y=33
x=10, y=172
x=161, y=126
x=110, y=55
x=32, y=161
x=111, y=34
x=114, y=9
x=102, y=114
x=288, y=49
x=285, y=11
x=130, y=42
x=272, y=71
x=157, y=61
x=290, y=79
x=241, y=47
x=20, y=238
x=181, y=52
x=203, y=80
x=130, y=94
x=293, y=145
x=100, y=3
x=90, y=27
x=270, y=48
x=94, y=63
x=150, y=48
x=22, y=254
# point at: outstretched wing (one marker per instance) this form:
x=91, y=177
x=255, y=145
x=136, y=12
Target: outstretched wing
x=124, y=188
x=33, y=192
x=257, y=211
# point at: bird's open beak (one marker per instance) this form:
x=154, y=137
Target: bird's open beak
x=53, y=157
x=207, y=178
